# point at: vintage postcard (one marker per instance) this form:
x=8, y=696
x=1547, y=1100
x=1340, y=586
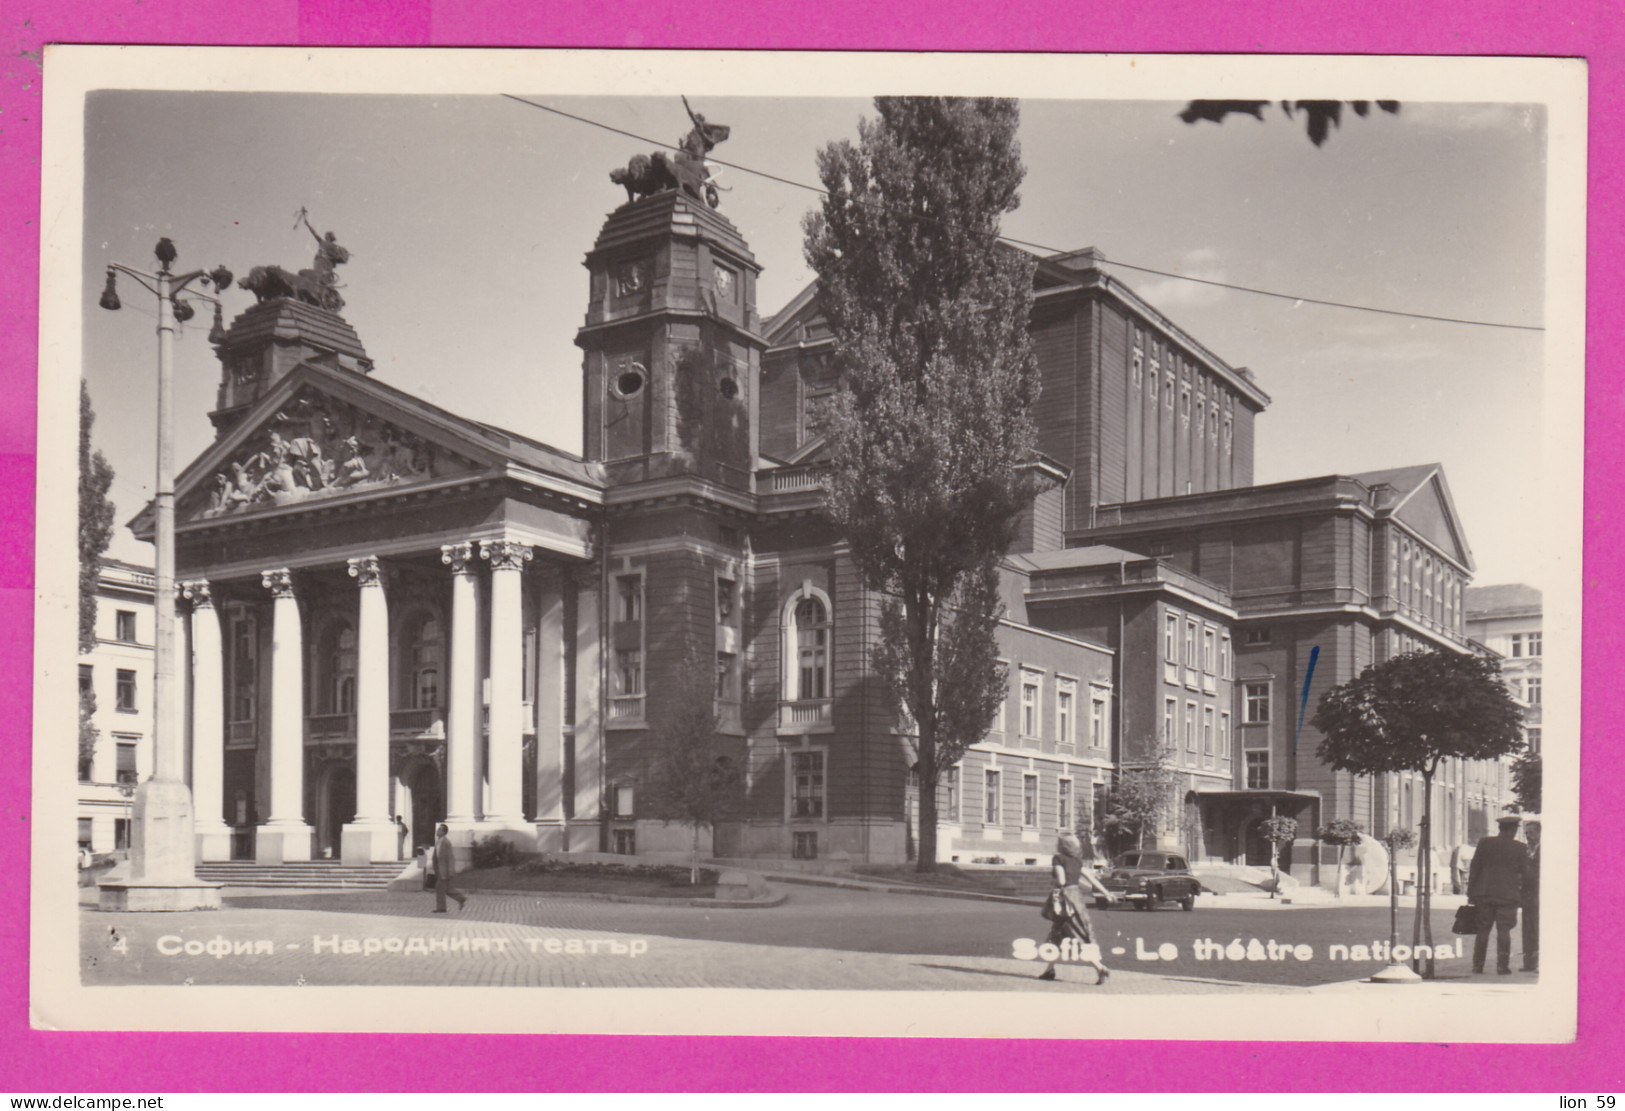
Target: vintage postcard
x=516, y=488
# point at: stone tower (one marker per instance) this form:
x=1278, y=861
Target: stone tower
x=267, y=341
x=671, y=350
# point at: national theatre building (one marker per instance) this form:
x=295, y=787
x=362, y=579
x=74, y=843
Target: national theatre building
x=397, y=616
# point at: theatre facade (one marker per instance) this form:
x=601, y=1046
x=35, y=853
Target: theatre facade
x=397, y=616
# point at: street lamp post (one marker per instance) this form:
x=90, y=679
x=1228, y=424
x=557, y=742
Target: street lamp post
x=162, y=873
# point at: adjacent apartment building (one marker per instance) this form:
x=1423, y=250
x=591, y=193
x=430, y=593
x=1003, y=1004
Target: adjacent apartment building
x=115, y=677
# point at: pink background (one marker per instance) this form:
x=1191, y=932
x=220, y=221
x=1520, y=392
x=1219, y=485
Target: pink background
x=66, y=1063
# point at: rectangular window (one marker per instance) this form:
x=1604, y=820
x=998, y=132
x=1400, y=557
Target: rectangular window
x=1533, y=735
x=1063, y=712
x=1258, y=635
x=85, y=828
x=624, y=799
x=1168, y=712
x=990, y=792
x=1029, y=704
x=727, y=677
x=1224, y=736
x=87, y=681
x=1517, y=644
x=1170, y=639
x=1063, y=819
x=1207, y=730
x=1534, y=642
x=950, y=794
x=807, y=785
x=242, y=669
x=626, y=842
x=629, y=598
x=121, y=833
x=126, y=761
x=1258, y=703
x=1209, y=660
x=804, y=845
x=628, y=672
x=1258, y=771
x=1190, y=644
x=1097, y=718
x=124, y=626
x=1190, y=727
x=126, y=691
x=1224, y=656
x=1532, y=687
x=727, y=603
x=1029, y=801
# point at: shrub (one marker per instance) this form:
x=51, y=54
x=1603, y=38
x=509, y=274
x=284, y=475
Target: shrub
x=493, y=852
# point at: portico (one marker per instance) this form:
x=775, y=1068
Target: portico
x=396, y=623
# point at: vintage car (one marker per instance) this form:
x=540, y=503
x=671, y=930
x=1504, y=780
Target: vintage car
x=1147, y=877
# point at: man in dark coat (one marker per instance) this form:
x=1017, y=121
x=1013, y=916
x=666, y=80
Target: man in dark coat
x=445, y=863
x=1495, y=887
x=1531, y=899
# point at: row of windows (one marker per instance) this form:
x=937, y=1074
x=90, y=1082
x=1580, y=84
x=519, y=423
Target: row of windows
x=1031, y=725
x=1206, y=646
x=1426, y=583
x=1526, y=644
x=1068, y=807
x=1198, y=728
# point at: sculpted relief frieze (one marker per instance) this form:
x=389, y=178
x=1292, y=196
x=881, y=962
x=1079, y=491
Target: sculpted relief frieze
x=318, y=447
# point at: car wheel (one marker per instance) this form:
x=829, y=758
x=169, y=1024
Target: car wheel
x=1188, y=903
x=1152, y=898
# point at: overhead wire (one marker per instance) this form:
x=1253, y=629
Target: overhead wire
x=1015, y=242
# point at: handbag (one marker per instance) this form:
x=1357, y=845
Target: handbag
x=1466, y=920
x=1053, y=909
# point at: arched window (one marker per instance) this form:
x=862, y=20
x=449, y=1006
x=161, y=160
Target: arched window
x=423, y=654
x=337, y=661
x=812, y=649
x=805, y=686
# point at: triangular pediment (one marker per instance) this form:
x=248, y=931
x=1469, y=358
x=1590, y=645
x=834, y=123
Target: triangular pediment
x=324, y=434
x=1429, y=512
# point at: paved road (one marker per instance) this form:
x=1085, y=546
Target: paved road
x=842, y=921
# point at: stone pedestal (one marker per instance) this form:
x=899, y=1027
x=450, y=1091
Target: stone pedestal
x=282, y=843
x=370, y=842
x=161, y=870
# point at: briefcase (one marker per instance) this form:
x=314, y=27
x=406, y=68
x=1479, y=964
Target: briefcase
x=1466, y=920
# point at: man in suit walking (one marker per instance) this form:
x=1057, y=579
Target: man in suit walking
x=1495, y=887
x=1531, y=899
x=445, y=863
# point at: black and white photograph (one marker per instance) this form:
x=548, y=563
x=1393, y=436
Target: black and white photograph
x=661, y=542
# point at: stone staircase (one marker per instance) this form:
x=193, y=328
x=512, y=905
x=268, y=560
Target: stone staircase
x=329, y=874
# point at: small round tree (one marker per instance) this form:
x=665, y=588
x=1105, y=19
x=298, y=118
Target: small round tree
x=1279, y=830
x=1343, y=833
x=1411, y=713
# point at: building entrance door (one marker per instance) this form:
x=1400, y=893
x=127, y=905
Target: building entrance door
x=337, y=810
x=428, y=805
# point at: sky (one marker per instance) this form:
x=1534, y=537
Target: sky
x=467, y=219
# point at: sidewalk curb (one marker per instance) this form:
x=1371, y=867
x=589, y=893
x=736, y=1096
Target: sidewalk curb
x=902, y=889
x=644, y=900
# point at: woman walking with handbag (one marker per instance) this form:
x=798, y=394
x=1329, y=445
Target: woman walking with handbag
x=1066, y=907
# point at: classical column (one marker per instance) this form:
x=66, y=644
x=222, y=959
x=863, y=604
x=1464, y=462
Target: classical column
x=208, y=726
x=506, y=737
x=589, y=721
x=550, y=712
x=371, y=836
x=285, y=836
x=463, y=709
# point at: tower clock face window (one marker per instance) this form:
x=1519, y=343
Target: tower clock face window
x=630, y=380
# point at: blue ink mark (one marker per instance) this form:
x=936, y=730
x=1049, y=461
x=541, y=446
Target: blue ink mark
x=1303, y=702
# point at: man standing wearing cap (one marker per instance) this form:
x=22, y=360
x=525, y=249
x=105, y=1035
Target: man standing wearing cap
x=1495, y=887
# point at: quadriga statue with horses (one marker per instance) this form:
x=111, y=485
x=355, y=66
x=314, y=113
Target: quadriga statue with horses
x=316, y=286
x=647, y=174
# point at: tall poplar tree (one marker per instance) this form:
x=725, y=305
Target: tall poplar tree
x=1411, y=713
x=95, y=519
x=929, y=433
